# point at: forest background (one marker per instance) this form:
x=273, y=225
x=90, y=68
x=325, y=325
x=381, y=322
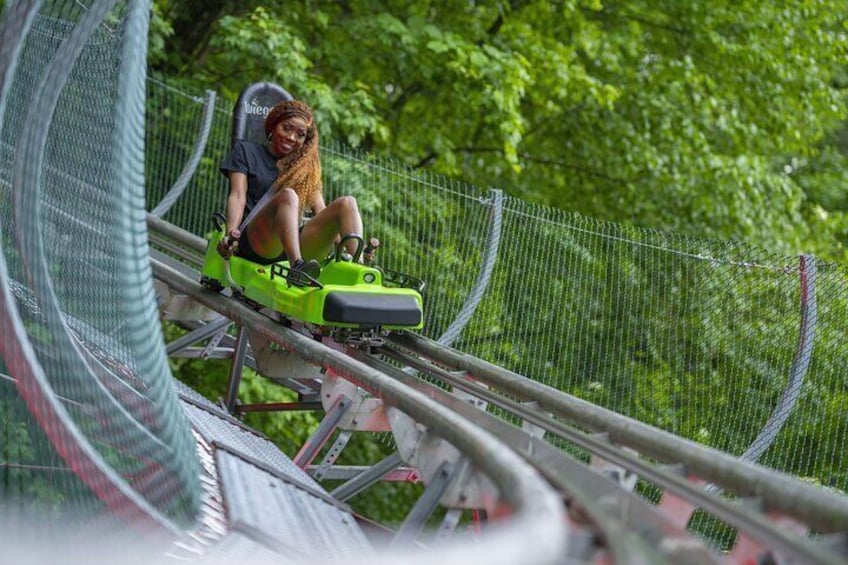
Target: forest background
x=719, y=119
x=723, y=120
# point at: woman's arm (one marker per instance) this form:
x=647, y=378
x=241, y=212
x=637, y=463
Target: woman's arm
x=236, y=200
x=235, y=212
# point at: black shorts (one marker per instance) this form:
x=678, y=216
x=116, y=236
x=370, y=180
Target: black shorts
x=245, y=251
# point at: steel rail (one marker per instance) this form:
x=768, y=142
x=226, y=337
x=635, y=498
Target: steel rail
x=824, y=511
x=159, y=227
x=586, y=492
x=746, y=520
x=187, y=255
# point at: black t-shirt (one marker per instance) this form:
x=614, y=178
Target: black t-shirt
x=255, y=161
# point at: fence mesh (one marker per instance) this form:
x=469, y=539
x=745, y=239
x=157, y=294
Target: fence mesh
x=90, y=420
x=719, y=342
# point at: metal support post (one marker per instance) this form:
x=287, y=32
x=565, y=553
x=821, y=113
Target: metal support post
x=236, y=370
x=325, y=429
x=448, y=526
x=333, y=454
x=425, y=505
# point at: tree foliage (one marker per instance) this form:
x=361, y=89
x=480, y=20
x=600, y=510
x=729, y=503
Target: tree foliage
x=712, y=119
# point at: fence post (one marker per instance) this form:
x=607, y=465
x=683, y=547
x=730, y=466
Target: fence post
x=191, y=165
x=490, y=256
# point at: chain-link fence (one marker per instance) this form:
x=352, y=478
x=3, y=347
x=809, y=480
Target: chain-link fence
x=90, y=429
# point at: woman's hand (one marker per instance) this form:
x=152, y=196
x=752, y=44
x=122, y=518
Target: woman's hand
x=229, y=244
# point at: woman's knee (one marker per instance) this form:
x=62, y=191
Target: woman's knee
x=286, y=196
x=347, y=203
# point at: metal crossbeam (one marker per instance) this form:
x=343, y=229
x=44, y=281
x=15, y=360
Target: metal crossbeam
x=205, y=331
x=367, y=478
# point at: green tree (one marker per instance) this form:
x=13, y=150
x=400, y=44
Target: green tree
x=659, y=113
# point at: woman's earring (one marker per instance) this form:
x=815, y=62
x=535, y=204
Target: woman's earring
x=268, y=137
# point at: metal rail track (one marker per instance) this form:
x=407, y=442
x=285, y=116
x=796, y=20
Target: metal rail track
x=683, y=465
x=538, y=520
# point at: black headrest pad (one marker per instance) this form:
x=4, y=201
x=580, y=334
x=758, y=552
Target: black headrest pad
x=252, y=106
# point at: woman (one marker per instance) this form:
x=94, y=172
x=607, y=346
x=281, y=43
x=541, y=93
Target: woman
x=289, y=162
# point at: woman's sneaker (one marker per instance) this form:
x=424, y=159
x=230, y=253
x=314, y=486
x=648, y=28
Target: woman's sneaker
x=302, y=272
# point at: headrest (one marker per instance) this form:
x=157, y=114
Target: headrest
x=252, y=106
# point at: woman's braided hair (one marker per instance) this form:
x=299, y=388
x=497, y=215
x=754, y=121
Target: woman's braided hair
x=300, y=170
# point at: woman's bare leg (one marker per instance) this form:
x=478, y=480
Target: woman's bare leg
x=338, y=219
x=275, y=230
x=287, y=222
